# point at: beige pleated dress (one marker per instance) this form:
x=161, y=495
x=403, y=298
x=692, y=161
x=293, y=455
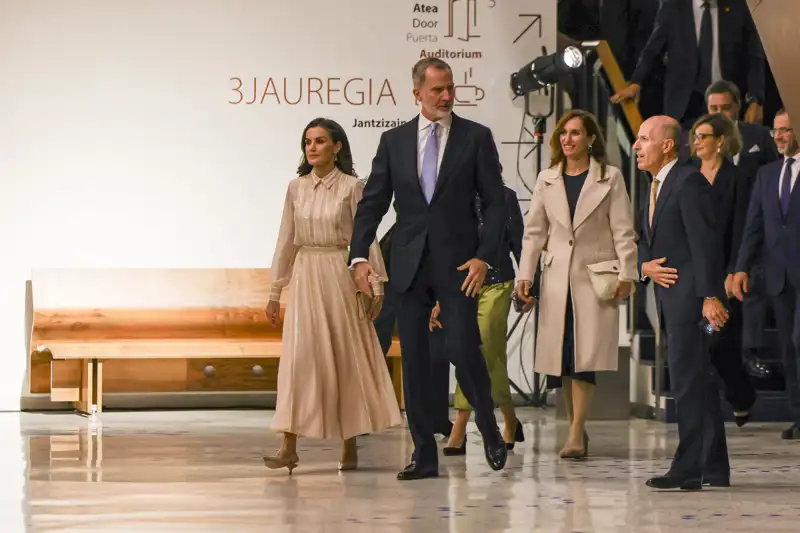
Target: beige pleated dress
x=333, y=381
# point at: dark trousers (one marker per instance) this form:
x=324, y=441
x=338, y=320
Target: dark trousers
x=440, y=365
x=384, y=324
x=787, y=317
x=726, y=356
x=702, y=448
x=459, y=318
x=754, y=311
x=440, y=383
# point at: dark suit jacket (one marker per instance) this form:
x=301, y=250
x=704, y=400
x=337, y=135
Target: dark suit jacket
x=448, y=227
x=741, y=55
x=684, y=232
x=502, y=268
x=730, y=196
x=758, y=149
x=766, y=226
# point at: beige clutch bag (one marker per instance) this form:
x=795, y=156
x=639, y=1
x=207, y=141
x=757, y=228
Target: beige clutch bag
x=364, y=301
x=604, y=277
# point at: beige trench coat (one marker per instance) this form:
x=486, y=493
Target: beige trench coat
x=601, y=231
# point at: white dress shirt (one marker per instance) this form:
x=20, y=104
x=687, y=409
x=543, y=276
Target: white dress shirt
x=716, y=71
x=423, y=134
x=795, y=172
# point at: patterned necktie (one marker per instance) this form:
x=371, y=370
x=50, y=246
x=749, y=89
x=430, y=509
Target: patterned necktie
x=653, y=198
x=430, y=163
x=786, y=186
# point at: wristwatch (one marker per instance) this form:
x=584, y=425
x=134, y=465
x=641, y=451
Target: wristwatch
x=750, y=99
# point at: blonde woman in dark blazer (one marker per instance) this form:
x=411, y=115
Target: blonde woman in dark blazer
x=580, y=219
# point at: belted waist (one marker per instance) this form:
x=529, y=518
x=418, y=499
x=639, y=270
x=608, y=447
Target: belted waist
x=323, y=248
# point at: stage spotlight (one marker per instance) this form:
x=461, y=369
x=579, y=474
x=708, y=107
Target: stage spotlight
x=545, y=70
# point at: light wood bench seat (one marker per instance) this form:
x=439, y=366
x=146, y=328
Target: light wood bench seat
x=99, y=331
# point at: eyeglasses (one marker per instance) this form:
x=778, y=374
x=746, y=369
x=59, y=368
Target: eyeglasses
x=702, y=136
x=780, y=131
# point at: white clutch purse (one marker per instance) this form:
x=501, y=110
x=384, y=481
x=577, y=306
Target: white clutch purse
x=604, y=277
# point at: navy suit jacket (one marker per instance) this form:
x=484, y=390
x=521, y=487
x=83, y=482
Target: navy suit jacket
x=684, y=231
x=778, y=234
x=448, y=226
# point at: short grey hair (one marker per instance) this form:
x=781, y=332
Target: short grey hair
x=421, y=68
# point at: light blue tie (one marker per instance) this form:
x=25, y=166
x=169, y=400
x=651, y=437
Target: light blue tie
x=430, y=163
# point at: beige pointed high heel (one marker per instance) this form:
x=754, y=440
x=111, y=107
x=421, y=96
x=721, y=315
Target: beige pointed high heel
x=349, y=459
x=275, y=462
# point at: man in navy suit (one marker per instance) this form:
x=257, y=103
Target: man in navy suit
x=681, y=254
x=773, y=222
x=434, y=166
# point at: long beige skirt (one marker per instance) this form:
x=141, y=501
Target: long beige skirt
x=333, y=381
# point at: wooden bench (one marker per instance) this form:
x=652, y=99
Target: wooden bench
x=99, y=331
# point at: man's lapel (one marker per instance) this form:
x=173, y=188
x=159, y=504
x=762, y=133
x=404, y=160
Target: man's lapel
x=410, y=141
x=663, y=197
x=453, y=151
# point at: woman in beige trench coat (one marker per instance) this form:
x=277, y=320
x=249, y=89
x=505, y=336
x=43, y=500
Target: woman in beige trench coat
x=580, y=220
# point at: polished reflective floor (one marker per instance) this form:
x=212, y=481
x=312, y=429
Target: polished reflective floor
x=201, y=471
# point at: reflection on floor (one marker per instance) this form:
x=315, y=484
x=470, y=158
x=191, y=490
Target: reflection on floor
x=201, y=471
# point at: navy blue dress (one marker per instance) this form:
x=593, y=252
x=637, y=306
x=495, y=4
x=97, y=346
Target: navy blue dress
x=573, y=185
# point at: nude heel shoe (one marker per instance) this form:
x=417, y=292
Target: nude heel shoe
x=349, y=459
x=274, y=462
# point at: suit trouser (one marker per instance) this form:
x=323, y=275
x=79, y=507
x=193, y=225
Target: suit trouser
x=726, y=356
x=440, y=365
x=458, y=315
x=787, y=317
x=702, y=447
x=439, y=408
x=754, y=311
x=494, y=304
x=384, y=324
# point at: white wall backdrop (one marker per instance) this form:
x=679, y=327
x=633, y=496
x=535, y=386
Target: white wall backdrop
x=123, y=142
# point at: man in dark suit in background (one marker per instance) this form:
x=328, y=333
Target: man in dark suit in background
x=702, y=41
x=434, y=166
x=680, y=252
x=773, y=223
x=758, y=149
x=641, y=20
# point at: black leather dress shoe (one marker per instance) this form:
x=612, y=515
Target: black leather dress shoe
x=718, y=482
x=756, y=368
x=414, y=471
x=671, y=483
x=495, y=451
x=791, y=433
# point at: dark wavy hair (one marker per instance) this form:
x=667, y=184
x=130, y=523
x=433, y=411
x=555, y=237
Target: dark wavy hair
x=598, y=147
x=344, y=159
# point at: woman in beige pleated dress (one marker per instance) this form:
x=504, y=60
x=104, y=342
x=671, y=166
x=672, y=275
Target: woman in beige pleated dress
x=333, y=382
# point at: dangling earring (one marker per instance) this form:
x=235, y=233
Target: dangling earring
x=591, y=148
x=335, y=157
